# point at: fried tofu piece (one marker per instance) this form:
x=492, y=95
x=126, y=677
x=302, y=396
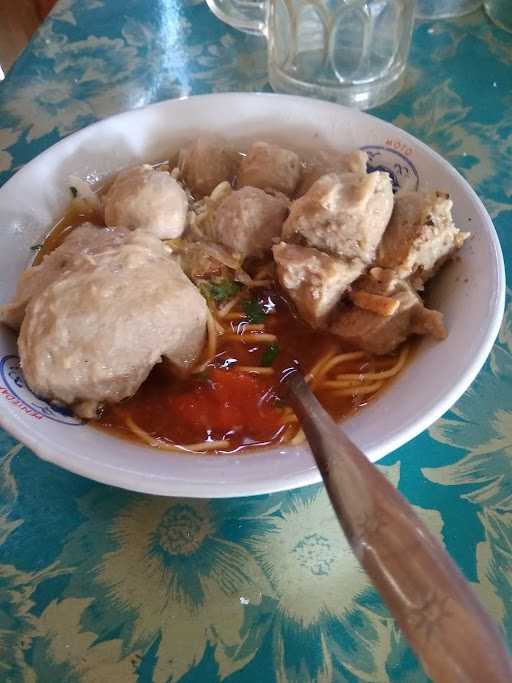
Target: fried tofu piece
x=377, y=303
x=270, y=167
x=344, y=215
x=377, y=281
x=201, y=260
x=420, y=237
x=313, y=280
x=381, y=334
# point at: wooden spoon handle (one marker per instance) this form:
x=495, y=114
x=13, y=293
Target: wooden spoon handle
x=445, y=623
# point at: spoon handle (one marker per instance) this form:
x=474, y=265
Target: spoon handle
x=441, y=616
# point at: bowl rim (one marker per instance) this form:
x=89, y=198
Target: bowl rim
x=309, y=475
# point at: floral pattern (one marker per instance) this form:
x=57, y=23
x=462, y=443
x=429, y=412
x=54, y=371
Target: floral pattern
x=173, y=586
x=483, y=430
x=99, y=584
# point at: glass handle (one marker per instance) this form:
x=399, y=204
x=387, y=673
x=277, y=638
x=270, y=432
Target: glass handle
x=245, y=15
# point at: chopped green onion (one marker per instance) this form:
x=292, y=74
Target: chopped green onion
x=35, y=247
x=269, y=355
x=254, y=311
x=220, y=291
x=202, y=376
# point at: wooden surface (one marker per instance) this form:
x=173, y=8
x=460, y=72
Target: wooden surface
x=18, y=21
x=43, y=7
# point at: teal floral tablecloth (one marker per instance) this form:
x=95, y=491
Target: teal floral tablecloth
x=100, y=585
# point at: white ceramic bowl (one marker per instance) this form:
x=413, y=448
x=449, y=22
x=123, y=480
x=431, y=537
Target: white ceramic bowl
x=470, y=291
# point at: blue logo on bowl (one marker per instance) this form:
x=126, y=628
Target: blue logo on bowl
x=402, y=171
x=16, y=391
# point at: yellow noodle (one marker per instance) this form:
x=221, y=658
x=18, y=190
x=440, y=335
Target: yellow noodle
x=383, y=362
x=252, y=338
x=162, y=445
x=391, y=372
x=207, y=446
x=298, y=438
x=212, y=335
x=220, y=329
x=255, y=370
x=341, y=383
x=346, y=380
x=286, y=434
x=141, y=433
x=212, y=332
x=342, y=358
x=332, y=362
x=260, y=283
x=264, y=270
x=289, y=419
x=312, y=373
x=359, y=391
x=235, y=316
x=243, y=327
x=230, y=305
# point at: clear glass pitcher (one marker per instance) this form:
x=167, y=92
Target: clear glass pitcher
x=500, y=11
x=442, y=9
x=350, y=51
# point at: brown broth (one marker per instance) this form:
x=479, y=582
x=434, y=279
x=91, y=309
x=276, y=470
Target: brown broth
x=157, y=407
x=76, y=214
x=172, y=409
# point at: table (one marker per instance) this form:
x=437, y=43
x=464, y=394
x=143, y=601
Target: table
x=102, y=585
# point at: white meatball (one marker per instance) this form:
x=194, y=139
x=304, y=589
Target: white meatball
x=206, y=163
x=97, y=330
x=147, y=199
x=249, y=221
x=85, y=240
x=270, y=167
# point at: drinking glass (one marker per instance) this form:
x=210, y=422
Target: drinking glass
x=500, y=11
x=350, y=51
x=442, y=9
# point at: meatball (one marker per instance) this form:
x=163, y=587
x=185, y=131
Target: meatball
x=85, y=240
x=206, y=163
x=270, y=167
x=323, y=163
x=147, y=199
x=94, y=333
x=249, y=221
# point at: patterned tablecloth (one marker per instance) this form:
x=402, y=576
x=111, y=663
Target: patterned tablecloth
x=98, y=584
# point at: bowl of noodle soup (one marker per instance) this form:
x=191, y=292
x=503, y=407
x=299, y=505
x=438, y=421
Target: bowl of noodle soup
x=383, y=401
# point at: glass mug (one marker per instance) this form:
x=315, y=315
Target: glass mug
x=442, y=9
x=350, y=51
